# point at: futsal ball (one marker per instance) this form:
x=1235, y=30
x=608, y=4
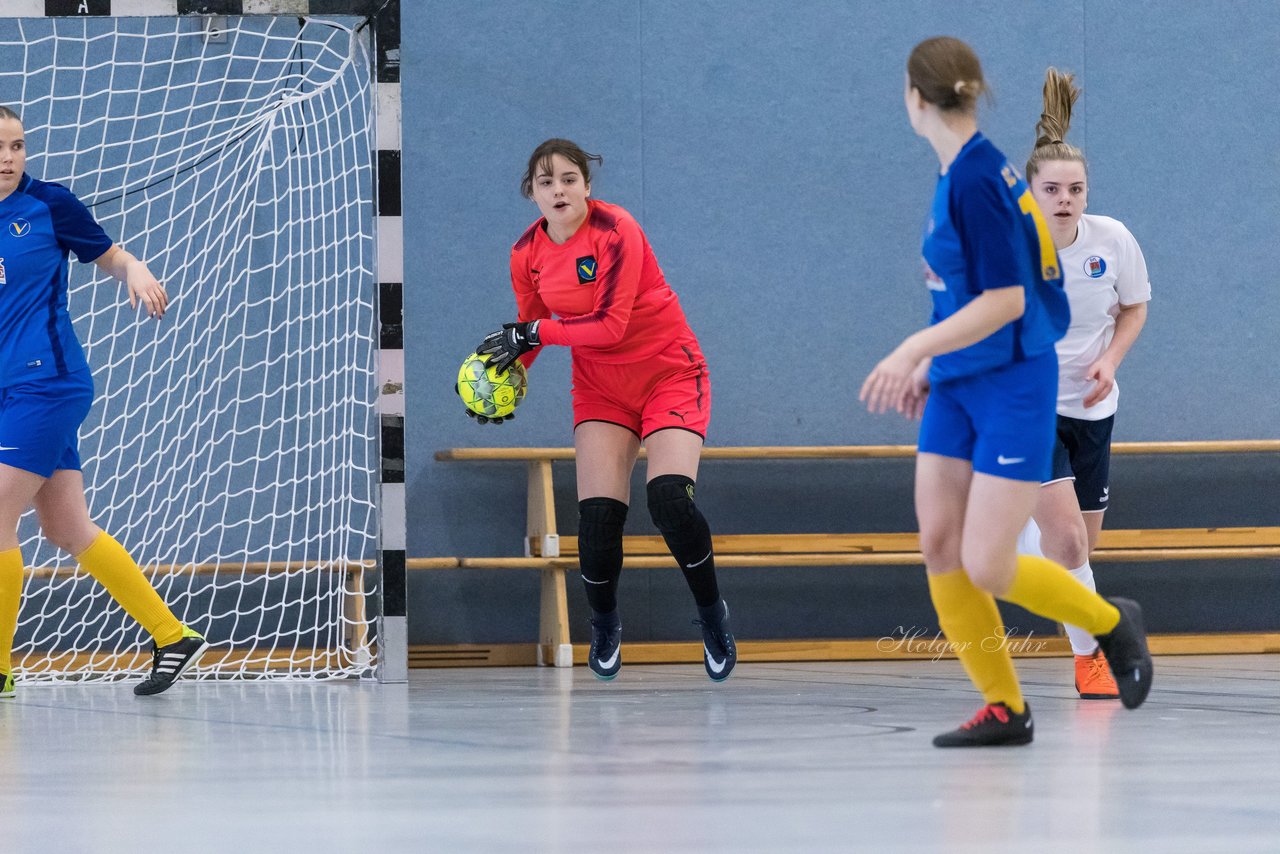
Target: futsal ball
x=487, y=392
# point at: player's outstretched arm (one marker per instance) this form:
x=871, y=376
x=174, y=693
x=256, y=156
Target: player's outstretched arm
x=143, y=287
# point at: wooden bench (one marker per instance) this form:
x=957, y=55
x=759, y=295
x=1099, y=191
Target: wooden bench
x=551, y=554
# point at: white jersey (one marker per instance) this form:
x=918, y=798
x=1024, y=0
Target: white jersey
x=1102, y=270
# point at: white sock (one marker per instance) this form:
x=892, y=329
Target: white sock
x=1082, y=643
x=1029, y=540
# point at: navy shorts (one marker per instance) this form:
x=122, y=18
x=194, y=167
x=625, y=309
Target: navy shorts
x=1082, y=452
x=40, y=422
x=1001, y=421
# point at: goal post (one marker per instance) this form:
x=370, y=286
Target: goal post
x=233, y=446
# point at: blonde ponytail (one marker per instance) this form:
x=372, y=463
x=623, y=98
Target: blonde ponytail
x=1060, y=95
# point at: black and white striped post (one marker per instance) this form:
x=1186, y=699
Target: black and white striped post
x=393, y=628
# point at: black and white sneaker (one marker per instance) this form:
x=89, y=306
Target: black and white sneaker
x=719, y=653
x=1125, y=647
x=995, y=725
x=605, y=655
x=170, y=662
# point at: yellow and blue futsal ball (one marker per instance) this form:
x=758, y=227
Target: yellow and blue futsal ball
x=487, y=392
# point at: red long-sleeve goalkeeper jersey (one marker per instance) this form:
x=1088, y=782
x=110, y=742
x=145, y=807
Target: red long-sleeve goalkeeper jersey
x=604, y=285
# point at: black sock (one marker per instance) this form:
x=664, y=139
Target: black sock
x=611, y=620
x=687, y=534
x=714, y=613
x=600, y=523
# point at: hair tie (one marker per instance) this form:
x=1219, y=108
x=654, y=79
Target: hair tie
x=959, y=86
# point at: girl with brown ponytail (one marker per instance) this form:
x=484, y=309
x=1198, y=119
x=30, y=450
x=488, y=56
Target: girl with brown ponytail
x=984, y=375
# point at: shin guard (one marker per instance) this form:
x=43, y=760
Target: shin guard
x=686, y=533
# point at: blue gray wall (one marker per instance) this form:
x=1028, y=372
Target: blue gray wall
x=764, y=148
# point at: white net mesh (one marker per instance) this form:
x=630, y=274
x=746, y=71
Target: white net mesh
x=232, y=447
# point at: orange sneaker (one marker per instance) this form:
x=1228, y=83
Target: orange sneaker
x=1093, y=677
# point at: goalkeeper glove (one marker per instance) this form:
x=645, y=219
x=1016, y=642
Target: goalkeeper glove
x=509, y=343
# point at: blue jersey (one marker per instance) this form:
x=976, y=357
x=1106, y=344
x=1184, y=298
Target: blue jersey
x=40, y=223
x=985, y=231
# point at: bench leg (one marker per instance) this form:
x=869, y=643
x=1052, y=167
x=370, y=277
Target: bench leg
x=553, y=626
x=541, y=538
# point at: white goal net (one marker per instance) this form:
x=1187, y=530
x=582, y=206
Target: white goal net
x=232, y=447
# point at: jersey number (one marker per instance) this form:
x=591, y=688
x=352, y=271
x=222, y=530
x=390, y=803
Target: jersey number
x=1048, y=255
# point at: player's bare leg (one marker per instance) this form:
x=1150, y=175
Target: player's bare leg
x=64, y=519
x=998, y=509
x=967, y=614
x=1066, y=538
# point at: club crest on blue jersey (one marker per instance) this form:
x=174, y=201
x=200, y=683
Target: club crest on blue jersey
x=586, y=267
x=1095, y=266
x=19, y=227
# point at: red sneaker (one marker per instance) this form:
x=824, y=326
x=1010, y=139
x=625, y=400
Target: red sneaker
x=995, y=724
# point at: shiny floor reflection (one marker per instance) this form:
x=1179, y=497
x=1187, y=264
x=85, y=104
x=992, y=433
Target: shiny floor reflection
x=781, y=757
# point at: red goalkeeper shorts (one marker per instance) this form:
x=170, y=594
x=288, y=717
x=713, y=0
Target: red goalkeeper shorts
x=671, y=389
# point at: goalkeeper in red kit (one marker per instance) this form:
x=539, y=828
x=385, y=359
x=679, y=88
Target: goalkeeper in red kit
x=585, y=277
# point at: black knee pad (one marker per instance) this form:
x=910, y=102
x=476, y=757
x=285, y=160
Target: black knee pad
x=600, y=523
x=671, y=502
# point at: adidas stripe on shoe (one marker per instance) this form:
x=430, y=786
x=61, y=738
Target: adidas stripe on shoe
x=170, y=662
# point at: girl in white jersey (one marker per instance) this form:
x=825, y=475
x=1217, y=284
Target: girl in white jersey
x=1107, y=287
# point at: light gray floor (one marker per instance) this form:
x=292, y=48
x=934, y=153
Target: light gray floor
x=782, y=757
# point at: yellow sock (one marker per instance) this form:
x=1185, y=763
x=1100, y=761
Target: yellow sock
x=108, y=562
x=1045, y=588
x=10, y=599
x=971, y=622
